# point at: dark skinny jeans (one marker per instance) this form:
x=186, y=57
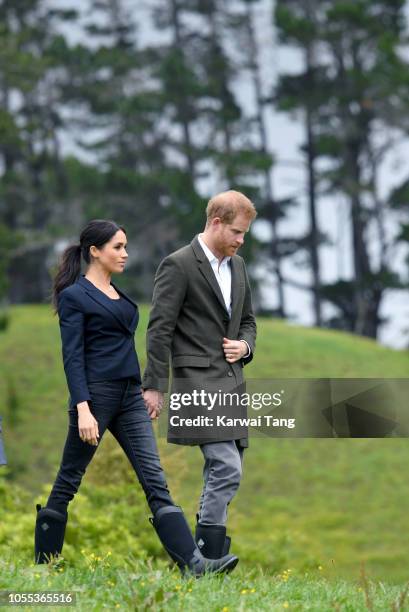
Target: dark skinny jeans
x=117, y=405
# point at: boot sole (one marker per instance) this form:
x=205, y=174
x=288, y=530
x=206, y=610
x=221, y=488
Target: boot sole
x=227, y=567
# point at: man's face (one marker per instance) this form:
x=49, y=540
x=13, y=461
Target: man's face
x=230, y=236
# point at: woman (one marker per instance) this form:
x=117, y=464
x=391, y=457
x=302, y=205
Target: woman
x=97, y=324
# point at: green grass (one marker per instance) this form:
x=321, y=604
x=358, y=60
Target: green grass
x=303, y=503
x=291, y=351
x=142, y=587
x=33, y=390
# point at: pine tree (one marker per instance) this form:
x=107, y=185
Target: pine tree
x=32, y=175
x=351, y=92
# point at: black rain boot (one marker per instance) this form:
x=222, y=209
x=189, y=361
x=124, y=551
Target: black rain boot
x=226, y=547
x=211, y=540
x=174, y=533
x=201, y=540
x=49, y=534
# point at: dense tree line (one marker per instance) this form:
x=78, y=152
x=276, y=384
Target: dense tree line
x=159, y=124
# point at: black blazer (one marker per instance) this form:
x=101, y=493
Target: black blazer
x=97, y=342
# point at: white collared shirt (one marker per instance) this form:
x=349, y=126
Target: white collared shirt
x=222, y=272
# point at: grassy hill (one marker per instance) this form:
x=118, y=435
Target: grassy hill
x=304, y=504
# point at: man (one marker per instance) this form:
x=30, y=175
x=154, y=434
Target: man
x=202, y=318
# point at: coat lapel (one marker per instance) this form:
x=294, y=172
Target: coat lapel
x=206, y=269
x=237, y=289
x=132, y=325
x=102, y=299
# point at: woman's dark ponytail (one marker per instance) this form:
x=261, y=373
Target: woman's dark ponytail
x=68, y=271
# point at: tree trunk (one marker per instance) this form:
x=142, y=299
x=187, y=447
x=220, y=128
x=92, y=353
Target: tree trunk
x=313, y=233
x=217, y=49
x=182, y=110
x=261, y=126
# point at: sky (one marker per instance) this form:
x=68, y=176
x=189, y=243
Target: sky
x=285, y=135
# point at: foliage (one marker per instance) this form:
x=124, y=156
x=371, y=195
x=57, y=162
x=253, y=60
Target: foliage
x=351, y=89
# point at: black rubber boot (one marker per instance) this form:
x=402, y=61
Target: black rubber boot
x=202, y=540
x=226, y=547
x=174, y=533
x=211, y=540
x=49, y=534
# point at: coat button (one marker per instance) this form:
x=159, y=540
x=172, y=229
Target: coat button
x=229, y=373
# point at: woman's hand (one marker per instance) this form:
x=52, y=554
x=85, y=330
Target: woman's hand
x=153, y=401
x=87, y=424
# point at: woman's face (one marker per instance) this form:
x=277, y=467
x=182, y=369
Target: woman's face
x=112, y=255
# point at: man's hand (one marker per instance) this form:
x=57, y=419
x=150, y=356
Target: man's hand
x=87, y=424
x=234, y=350
x=154, y=402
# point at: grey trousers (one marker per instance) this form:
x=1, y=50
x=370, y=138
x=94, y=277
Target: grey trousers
x=222, y=473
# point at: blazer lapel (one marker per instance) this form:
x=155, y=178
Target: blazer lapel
x=132, y=325
x=206, y=269
x=237, y=289
x=102, y=299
